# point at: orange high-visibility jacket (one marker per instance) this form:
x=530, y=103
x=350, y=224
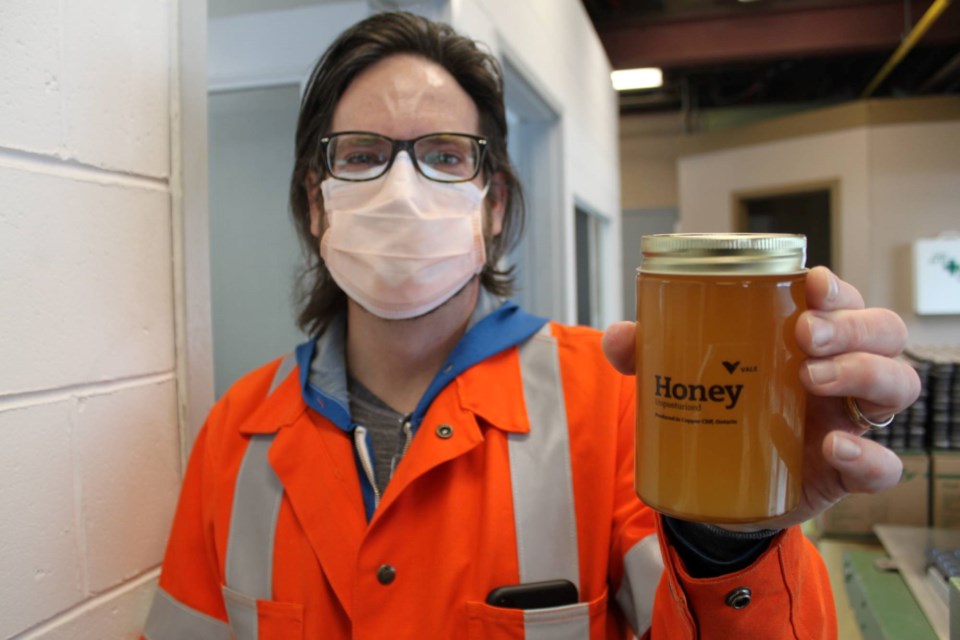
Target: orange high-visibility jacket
x=521, y=470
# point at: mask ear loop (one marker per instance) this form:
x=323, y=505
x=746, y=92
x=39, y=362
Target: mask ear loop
x=484, y=213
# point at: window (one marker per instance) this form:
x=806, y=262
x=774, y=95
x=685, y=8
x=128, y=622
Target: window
x=587, y=236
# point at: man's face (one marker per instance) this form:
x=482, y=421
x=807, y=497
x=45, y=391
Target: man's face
x=403, y=97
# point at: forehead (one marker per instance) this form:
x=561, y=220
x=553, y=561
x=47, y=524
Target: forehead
x=405, y=96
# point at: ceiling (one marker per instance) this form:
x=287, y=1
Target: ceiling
x=224, y=8
x=729, y=53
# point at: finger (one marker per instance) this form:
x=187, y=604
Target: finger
x=882, y=386
x=826, y=333
x=618, y=346
x=826, y=291
x=864, y=466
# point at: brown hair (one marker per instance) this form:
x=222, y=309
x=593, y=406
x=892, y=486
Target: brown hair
x=361, y=46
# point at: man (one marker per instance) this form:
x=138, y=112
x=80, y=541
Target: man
x=433, y=455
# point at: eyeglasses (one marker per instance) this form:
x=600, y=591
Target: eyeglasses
x=359, y=156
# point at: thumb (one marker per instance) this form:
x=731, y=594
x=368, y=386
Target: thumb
x=618, y=346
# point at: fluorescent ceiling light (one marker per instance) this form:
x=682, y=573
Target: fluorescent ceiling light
x=629, y=79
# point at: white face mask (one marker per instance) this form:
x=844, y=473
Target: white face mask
x=402, y=245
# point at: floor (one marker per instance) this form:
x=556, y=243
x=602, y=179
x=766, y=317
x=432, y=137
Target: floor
x=832, y=551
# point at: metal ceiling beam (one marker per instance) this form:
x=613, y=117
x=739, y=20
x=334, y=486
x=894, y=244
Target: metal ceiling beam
x=951, y=67
x=918, y=31
x=765, y=35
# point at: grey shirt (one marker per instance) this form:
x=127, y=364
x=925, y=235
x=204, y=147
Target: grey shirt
x=385, y=424
x=388, y=440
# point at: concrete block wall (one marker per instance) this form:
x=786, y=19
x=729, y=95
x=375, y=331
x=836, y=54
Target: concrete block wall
x=89, y=444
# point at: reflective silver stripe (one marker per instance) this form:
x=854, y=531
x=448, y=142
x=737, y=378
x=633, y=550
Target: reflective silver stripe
x=559, y=623
x=642, y=566
x=170, y=619
x=287, y=365
x=242, y=611
x=253, y=524
x=540, y=474
x=256, y=503
x=249, y=561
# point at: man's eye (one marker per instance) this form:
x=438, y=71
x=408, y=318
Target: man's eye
x=442, y=158
x=362, y=159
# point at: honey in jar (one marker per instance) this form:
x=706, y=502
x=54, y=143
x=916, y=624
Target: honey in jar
x=720, y=407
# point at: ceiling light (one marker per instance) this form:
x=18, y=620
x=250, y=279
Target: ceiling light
x=630, y=79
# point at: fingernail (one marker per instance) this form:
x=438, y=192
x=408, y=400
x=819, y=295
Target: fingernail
x=845, y=449
x=821, y=331
x=833, y=289
x=822, y=371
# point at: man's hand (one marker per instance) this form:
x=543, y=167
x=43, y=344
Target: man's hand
x=851, y=351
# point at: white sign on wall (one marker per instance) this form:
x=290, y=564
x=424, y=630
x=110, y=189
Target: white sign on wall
x=936, y=276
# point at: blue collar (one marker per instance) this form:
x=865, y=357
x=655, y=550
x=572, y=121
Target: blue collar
x=325, y=388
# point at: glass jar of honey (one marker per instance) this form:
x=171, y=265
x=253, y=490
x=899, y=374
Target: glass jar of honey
x=720, y=407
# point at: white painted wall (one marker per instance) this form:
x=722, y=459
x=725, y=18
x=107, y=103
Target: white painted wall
x=898, y=183
x=90, y=462
x=914, y=194
x=708, y=181
x=554, y=45
x=649, y=150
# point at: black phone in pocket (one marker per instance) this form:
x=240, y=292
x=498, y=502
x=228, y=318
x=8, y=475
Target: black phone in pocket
x=534, y=595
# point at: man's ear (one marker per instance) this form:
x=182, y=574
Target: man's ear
x=497, y=202
x=312, y=185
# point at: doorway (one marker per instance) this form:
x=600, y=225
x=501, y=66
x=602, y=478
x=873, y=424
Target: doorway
x=809, y=210
x=254, y=252
x=587, y=236
x=535, y=150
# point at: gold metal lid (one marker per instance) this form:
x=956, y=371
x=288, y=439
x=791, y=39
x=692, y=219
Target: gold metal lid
x=723, y=253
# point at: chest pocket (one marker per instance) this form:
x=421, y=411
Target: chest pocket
x=541, y=482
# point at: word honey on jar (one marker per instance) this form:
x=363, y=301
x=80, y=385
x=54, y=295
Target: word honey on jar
x=720, y=405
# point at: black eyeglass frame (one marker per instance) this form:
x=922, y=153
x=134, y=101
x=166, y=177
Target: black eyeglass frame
x=404, y=145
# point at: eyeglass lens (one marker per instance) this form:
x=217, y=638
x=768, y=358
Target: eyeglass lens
x=442, y=157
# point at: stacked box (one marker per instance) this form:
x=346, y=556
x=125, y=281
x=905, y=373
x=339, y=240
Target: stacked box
x=905, y=504
x=908, y=431
x=933, y=421
x=945, y=490
x=931, y=424
x=941, y=372
x=917, y=423
x=954, y=399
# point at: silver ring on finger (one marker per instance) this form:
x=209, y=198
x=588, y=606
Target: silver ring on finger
x=858, y=418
